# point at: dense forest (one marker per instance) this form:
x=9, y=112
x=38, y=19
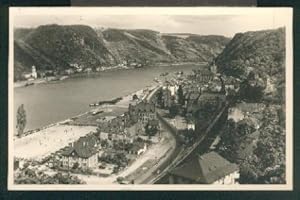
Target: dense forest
x=56, y=47
x=256, y=143
x=263, y=54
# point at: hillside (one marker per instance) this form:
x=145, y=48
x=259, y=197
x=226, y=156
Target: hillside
x=56, y=47
x=260, y=52
x=256, y=141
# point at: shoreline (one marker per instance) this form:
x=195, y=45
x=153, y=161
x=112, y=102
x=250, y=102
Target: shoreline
x=20, y=84
x=124, y=100
x=44, y=136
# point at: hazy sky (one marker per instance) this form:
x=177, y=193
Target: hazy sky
x=224, y=24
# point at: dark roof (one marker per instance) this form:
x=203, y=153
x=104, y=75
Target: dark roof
x=144, y=107
x=207, y=168
x=207, y=96
x=84, y=147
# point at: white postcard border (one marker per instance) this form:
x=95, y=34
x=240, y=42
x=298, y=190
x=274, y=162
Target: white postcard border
x=285, y=15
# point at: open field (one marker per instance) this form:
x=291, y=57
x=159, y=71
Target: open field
x=49, y=140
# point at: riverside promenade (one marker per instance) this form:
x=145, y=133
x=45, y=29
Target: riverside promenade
x=40, y=143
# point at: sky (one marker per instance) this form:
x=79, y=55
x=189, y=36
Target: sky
x=212, y=23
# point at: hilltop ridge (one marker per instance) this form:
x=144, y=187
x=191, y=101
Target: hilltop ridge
x=56, y=47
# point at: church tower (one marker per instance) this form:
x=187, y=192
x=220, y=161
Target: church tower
x=33, y=72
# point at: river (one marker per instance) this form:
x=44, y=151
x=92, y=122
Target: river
x=53, y=102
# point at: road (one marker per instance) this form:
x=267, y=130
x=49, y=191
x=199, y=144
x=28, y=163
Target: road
x=185, y=152
x=179, y=153
x=163, y=163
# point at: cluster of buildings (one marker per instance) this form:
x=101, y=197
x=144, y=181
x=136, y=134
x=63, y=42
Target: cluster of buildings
x=139, y=114
x=86, y=150
x=32, y=75
x=204, y=88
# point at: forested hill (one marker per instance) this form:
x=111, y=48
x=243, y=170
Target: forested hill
x=260, y=52
x=55, y=47
x=256, y=141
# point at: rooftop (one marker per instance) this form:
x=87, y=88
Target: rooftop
x=84, y=147
x=206, y=168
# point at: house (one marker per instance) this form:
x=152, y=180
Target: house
x=74, y=65
x=79, y=70
x=192, y=101
x=114, y=125
x=69, y=71
x=27, y=75
x=203, y=75
x=190, y=125
x=213, y=67
x=173, y=89
x=209, y=168
x=88, y=70
x=138, y=148
x=142, y=150
x=214, y=98
x=139, y=128
x=84, y=152
x=142, y=111
x=32, y=75
x=153, y=123
x=49, y=73
x=166, y=98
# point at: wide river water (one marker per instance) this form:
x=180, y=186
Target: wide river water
x=54, y=102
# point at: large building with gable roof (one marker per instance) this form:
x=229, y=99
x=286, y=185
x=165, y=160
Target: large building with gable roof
x=209, y=168
x=84, y=151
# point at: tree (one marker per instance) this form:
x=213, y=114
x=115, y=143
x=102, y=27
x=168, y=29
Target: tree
x=120, y=179
x=135, y=97
x=21, y=120
x=159, y=97
x=180, y=95
x=151, y=130
x=173, y=110
x=252, y=89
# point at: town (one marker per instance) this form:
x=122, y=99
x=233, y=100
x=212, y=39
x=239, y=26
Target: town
x=72, y=70
x=150, y=100
x=179, y=107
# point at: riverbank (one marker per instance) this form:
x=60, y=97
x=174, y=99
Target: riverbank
x=39, y=143
x=25, y=83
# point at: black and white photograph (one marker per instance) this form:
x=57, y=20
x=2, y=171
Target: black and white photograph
x=144, y=98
